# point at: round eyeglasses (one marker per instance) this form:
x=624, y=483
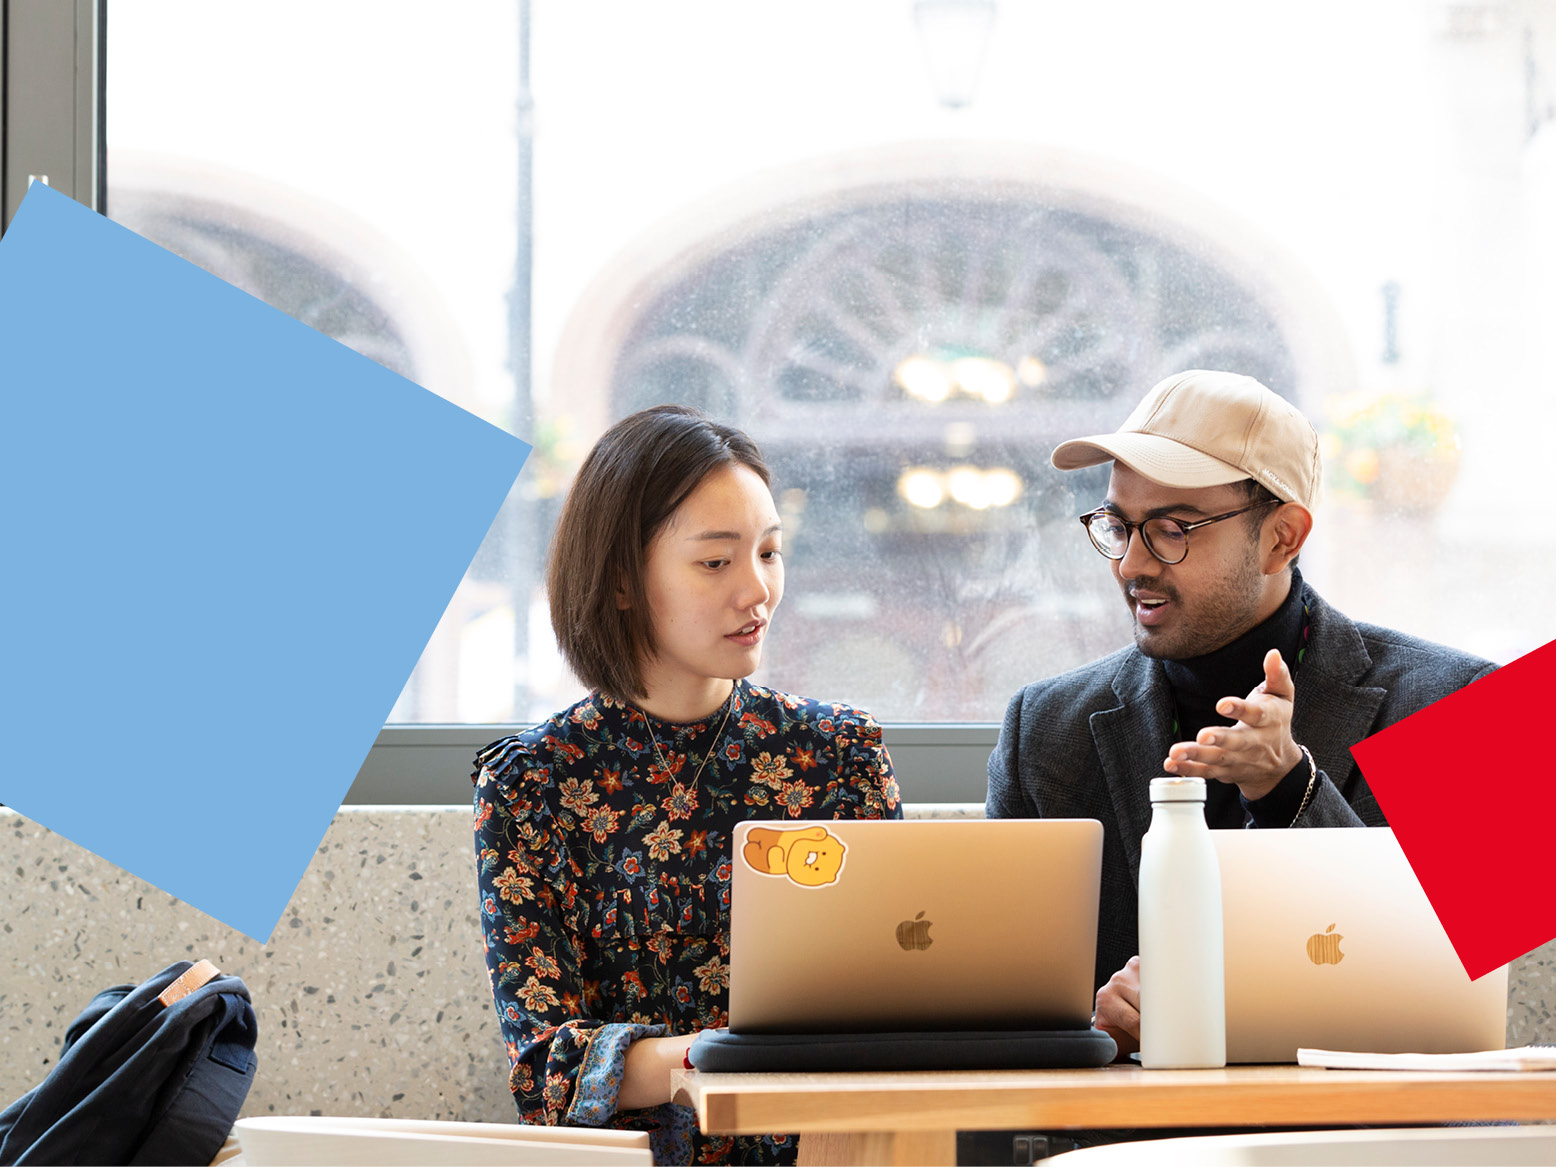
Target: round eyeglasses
x=1167, y=539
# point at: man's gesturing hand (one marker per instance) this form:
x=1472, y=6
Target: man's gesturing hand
x=1258, y=751
x=1118, y=1008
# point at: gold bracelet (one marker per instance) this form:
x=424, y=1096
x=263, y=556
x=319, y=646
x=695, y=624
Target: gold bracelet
x=1312, y=782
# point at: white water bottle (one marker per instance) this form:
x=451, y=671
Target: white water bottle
x=1182, y=978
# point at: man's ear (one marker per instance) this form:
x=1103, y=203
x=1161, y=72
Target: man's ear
x=1284, y=532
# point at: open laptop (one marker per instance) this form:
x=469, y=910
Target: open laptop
x=1332, y=944
x=878, y=926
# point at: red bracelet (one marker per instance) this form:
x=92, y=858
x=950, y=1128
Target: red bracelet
x=686, y=1059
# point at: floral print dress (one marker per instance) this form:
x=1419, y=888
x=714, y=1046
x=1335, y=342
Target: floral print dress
x=603, y=854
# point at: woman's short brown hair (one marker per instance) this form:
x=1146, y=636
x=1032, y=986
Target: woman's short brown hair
x=638, y=473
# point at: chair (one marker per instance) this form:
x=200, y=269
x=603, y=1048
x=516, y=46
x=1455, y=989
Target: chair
x=391, y=1142
x=1404, y=1147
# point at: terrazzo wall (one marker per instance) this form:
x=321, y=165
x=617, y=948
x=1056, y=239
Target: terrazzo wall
x=372, y=996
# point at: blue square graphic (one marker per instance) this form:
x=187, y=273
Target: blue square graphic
x=227, y=539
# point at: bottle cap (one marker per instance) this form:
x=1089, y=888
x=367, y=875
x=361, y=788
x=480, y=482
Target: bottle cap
x=1177, y=790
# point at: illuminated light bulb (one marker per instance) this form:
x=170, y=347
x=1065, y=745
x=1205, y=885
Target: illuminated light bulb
x=982, y=377
x=1031, y=372
x=1002, y=486
x=921, y=488
x=968, y=487
x=923, y=378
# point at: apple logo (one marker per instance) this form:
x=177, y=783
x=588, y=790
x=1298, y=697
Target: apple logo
x=914, y=934
x=1324, y=947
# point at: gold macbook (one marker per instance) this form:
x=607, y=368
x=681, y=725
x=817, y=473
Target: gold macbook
x=1330, y=943
x=930, y=924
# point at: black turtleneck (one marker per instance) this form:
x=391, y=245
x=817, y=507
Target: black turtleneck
x=1232, y=671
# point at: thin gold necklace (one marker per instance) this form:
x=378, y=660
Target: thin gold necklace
x=729, y=706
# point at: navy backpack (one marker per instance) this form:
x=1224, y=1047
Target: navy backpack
x=150, y=1073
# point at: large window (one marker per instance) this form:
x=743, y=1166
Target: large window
x=909, y=259
x=908, y=354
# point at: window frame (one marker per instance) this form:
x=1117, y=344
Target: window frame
x=53, y=66
x=430, y=765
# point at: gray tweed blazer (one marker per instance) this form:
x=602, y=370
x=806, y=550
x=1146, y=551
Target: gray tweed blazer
x=1087, y=743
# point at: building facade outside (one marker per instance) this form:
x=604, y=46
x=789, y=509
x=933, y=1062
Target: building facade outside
x=908, y=288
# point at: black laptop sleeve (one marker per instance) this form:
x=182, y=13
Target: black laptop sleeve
x=720, y=1051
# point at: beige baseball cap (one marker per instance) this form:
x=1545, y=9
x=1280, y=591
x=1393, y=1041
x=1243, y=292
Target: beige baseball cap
x=1204, y=428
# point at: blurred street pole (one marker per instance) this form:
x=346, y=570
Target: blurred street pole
x=524, y=541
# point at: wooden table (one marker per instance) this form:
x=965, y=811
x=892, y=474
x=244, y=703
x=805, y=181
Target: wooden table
x=907, y=1118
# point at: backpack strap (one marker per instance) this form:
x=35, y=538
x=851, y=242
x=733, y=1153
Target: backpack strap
x=191, y=979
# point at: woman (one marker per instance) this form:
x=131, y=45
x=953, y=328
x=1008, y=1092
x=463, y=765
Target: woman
x=603, y=834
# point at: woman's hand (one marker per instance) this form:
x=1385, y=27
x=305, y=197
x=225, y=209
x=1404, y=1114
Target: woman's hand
x=645, y=1079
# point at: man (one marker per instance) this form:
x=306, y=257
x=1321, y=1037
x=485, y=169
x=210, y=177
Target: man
x=1239, y=674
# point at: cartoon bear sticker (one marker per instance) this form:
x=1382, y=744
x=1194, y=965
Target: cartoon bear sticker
x=808, y=856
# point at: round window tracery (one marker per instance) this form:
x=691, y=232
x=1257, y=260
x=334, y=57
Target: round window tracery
x=908, y=360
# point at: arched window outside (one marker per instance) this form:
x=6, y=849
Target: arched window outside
x=908, y=356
